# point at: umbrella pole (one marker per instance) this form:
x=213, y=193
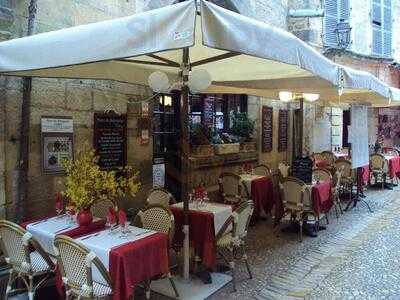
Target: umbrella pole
x=184, y=112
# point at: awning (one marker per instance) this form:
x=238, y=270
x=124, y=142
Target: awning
x=242, y=55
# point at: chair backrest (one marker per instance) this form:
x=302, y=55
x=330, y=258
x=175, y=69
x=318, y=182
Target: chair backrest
x=230, y=184
x=293, y=191
x=377, y=161
x=329, y=157
x=160, y=196
x=76, y=262
x=337, y=178
x=321, y=174
x=14, y=244
x=283, y=170
x=158, y=218
x=241, y=219
x=317, y=156
x=100, y=209
x=345, y=166
x=262, y=170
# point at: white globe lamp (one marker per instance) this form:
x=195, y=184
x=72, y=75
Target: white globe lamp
x=159, y=82
x=199, y=80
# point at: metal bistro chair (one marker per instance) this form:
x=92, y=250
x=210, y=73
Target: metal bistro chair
x=230, y=188
x=378, y=170
x=347, y=178
x=322, y=174
x=158, y=218
x=76, y=263
x=262, y=170
x=293, y=194
x=233, y=240
x=16, y=244
x=100, y=209
x=160, y=196
x=336, y=190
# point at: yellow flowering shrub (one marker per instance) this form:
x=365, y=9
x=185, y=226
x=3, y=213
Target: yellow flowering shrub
x=86, y=183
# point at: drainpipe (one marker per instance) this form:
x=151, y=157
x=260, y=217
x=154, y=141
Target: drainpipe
x=23, y=161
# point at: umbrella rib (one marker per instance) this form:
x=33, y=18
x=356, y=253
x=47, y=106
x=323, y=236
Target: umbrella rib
x=214, y=58
x=168, y=61
x=154, y=63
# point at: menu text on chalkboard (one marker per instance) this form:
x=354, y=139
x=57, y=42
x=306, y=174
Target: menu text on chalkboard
x=283, y=130
x=110, y=140
x=208, y=111
x=266, y=130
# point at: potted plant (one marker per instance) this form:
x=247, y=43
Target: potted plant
x=243, y=127
x=226, y=144
x=200, y=141
x=86, y=184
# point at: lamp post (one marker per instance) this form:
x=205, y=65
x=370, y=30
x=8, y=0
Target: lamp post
x=342, y=32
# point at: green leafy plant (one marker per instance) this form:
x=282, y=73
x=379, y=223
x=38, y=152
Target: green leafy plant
x=242, y=126
x=199, y=134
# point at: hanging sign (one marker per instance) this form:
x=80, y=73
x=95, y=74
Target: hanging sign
x=110, y=140
x=283, y=130
x=57, y=143
x=266, y=129
x=159, y=175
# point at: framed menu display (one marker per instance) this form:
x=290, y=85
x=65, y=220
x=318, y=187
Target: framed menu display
x=208, y=111
x=110, y=140
x=57, y=143
x=266, y=129
x=283, y=130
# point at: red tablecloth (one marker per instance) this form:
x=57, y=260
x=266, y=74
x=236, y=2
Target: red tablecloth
x=363, y=177
x=262, y=194
x=322, y=197
x=201, y=233
x=135, y=262
x=394, y=166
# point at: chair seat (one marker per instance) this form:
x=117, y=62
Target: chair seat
x=38, y=264
x=225, y=240
x=101, y=290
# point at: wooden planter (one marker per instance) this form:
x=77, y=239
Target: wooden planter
x=222, y=149
x=202, y=151
x=248, y=147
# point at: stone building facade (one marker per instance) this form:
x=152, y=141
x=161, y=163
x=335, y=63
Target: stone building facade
x=81, y=98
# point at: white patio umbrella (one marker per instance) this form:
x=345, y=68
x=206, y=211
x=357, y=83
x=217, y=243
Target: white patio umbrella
x=230, y=47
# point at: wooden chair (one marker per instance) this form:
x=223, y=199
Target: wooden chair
x=336, y=191
x=100, y=209
x=160, y=196
x=321, y=174
x=293, y=194
x=230, y=188
x=159, y=218
x=347, y=180
x=16, y=244
x=378, y=169
x=232, y=241
x=76, y=263
x=329, y=157
x=262, y=170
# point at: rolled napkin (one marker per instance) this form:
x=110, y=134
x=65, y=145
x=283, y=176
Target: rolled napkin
x=112, y=218
x=59, y=203
x=122, y=218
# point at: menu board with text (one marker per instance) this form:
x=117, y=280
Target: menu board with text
x=208, y=111
x=283, y=130
x=266, y=129
x=110, y=140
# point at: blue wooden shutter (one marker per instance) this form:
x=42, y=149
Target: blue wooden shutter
x=377, y=37
x=387, y=28
x=330, y=21
x=344, y=10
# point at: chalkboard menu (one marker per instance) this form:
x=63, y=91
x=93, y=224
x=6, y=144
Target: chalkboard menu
x=283, y=130
x=208, y=111
x=266, y=129
x=302, y=169
x=110, y=140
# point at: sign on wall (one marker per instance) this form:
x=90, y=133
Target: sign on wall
x=110, y=140
x=283, y=130
x=57, y=143
x=266, y=129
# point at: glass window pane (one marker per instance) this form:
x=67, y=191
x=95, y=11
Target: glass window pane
x=157, y=122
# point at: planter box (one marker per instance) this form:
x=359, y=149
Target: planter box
x=248, y=147
x=202, y=151
x=222, y=149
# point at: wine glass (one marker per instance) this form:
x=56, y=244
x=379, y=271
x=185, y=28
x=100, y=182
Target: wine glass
x=70, y=211
x=59, y=208
x=111, y=222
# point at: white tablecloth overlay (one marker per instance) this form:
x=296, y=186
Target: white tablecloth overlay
x=103, y=241
x=220, y=211
x=247, y=179
x=45, y=231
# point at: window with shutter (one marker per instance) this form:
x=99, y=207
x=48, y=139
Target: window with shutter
x=382, y=28
x=335, y=11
